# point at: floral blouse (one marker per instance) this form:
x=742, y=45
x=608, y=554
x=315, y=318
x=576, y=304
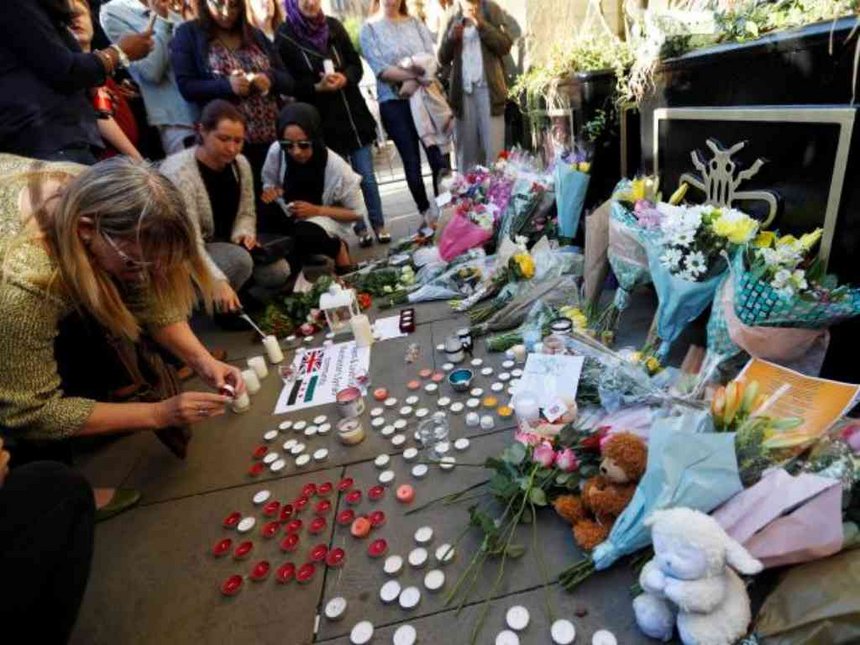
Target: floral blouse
x=260, y=112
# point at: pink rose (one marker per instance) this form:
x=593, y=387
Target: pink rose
x=527, y=438
x=566, y=460
x=544, y=455
x=307, y=329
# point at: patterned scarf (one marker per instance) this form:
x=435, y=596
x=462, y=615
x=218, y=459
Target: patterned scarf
x=311, y=30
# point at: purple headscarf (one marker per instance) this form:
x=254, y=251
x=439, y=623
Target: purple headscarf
x=312, y=30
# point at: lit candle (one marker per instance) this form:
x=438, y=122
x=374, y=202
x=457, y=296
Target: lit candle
x=273, y=349
x=258, y=364
x=361, y=330
x=242, y=403
x=252, y=383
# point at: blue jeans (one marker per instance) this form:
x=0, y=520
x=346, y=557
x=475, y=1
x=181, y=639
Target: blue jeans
x=397, y=119
x=361, y=161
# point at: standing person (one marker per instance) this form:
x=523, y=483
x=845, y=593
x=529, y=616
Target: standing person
x=46, y=111
x=474, y=42
x=46, y=548
x=266, y=15
x=216, y=183
x=99, y=274
x=220, y=56
x=389, y=36
x=316, y=186
x=116, y=122
x=166, y=110
x=305, y=41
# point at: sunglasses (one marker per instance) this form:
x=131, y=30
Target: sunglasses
x=130, y=262
x=288, y=145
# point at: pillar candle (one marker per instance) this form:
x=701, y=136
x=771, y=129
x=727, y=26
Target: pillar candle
x=252, y=383
x=258, y=364
x=361, y=330
x=242, y=403
x=273, y=350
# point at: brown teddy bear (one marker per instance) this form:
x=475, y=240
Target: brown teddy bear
x=604, y=496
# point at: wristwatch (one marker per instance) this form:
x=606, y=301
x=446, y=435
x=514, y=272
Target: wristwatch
x=124, y=62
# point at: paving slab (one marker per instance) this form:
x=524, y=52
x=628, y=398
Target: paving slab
x=602, y=600
x=361, y=581
x=154, y=579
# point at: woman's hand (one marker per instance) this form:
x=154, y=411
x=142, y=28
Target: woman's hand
x=4, y=463
x=217, y=374
x=408, y=88
x=271, y=194
x=189, y=407
x=225, y=298
x=327, y=83
x=240, y=85
x=338, y=80
x=262, y=83
x=136, y=46
x=304, y=210
x=248, y=241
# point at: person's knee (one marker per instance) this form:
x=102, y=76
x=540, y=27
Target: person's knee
x=238, y=266
x=50, y=483
x=274, y=275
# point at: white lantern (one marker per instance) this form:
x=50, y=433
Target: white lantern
x=339, y=306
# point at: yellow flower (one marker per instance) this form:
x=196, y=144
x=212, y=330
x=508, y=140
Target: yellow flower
x=575, y=315
x=786, y=240
x=584, y=166
x=525, y=265
x=678, y=196
x=653, y=365
x=636, y=357
x=808, y=240
x=736, y=228
x=765, y=240
x=637, y=189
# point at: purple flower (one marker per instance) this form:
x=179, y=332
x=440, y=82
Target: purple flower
x=649, y=217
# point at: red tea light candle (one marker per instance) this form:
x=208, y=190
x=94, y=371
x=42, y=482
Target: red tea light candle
x=345, y=484
x=376, y=493
x=293, y=526
x=425, y=373
x=405, y=494
x=286, y=512
x=335, y=558
x=319, y=553
x=413, y=385
x=377, y=519
x=272, y=508
x=232, y=520
x=243, y=550
x=270, y=530
x=323, y=507
x=300, y=504
x=325, y=489
x=260, y=452
x=305, y=573
x=360, y=527
x=261, y=571
x=353, y=497
x=285, y=573
x=437, y=377
x=309, y=490
x=346, y=517
x=380, y=394
x=317, y=526
x=377, y=548
x=222, y=547
x=290, y=543
x=232, y=585
x=257, y=469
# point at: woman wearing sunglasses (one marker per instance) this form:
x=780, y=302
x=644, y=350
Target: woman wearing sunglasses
x=317, y=190
x=98, y=274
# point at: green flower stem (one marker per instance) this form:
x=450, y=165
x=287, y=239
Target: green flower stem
x=453, y=497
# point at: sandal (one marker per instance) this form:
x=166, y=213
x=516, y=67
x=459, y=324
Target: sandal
x=383, y=236
x=365, y=240
x=123, y=499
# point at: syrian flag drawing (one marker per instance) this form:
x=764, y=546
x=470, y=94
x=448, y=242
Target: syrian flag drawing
x=307, y=377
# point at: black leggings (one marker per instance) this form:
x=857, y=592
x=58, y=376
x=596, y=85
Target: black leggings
x=46, y=546
x=310, y=239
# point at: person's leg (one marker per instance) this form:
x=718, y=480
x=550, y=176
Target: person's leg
x=233, y=260
x=46, y=545
x=466, y=135
x=310, y=240
x=438, y=165
x=362, y=163
x=491, y=128
x=397, y=119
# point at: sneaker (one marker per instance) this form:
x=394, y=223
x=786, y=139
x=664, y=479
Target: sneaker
x=365, y=240
x=383, y=236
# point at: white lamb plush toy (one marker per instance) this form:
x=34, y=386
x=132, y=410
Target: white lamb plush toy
x=690, y=578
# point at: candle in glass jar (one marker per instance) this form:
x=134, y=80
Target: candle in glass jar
x=361, y=330
x=258, y=364
x=273, y=349
x=519, y=352
x=242, y=403
x=252, y=383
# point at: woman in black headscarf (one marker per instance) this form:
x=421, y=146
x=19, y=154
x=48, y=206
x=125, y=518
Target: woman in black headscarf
x=318, y=192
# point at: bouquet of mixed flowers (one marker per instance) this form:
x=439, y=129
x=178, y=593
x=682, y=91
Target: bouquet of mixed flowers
x=297, y=312
x=571, y=184
x=688, y=260
x=778, y=300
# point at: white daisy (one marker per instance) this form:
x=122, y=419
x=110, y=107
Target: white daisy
x=671, y=258
x=696, y=263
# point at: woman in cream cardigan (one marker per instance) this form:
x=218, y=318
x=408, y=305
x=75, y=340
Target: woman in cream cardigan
x=217, y=184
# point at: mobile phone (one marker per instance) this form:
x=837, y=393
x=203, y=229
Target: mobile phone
x=328, y=67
